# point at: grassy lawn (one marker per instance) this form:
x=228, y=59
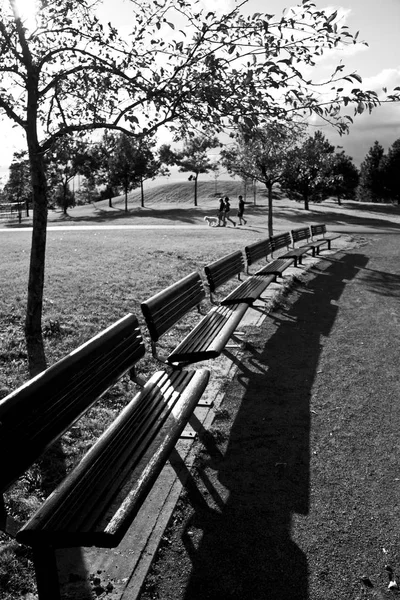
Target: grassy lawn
x=96, y=276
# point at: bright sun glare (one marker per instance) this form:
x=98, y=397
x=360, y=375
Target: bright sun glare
x=26, y=9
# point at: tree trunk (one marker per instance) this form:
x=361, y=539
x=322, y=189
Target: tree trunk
x=141, y=193
x=306, y=206
x=195, y=190
x=126, y=199
x=270, y=216
x=33, y=321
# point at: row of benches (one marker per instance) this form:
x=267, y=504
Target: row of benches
x=97, y=501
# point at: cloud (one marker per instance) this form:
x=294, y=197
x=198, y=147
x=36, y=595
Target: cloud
x=220, y=7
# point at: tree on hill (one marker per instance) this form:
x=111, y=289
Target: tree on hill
x=67, y=72
x=260, y=153
x=193, y=158
x=371, y=186
x=307, y=169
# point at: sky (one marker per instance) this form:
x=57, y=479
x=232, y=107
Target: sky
x=378, y=64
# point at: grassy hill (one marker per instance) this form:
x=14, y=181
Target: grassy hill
x=183, y=192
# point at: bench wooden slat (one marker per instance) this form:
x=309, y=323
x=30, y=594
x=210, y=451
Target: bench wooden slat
x=210, y=336
x=224, y=269
x=162, y=310
x=128, y=456
x=320, y=229
x=257, y=251
x=221, y=271
x=265, y=249
x=41, y=410
x=251, y=289
x=284, y=241
x=304, y=234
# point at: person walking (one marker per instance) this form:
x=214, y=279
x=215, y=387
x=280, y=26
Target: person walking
x=227, y=209
x=240, y=211
x=221, y=213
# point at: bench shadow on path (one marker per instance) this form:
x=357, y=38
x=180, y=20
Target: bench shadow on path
x=246, y=551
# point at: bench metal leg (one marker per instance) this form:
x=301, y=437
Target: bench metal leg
x=48, y=586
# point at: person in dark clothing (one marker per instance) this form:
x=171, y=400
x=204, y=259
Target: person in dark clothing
x=227, y=210
x=221, y=213
x=240, y=211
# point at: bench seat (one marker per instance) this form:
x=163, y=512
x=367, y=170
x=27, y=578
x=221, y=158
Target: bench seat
x=282, y=241
x=303, y=234
x=251, y=289
x=98, y=500
x=262, y=250
x=209, y=336
x=320, y=229
x=232, y=265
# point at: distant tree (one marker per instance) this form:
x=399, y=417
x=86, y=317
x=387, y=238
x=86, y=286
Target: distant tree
x=19, y=187
x=307, y=169
x=104, y=152
x=122, y=165
x=343, y=176
x=67, y=157
x=147, y=164
x=193, y=158
x=391, y=169
x=371, y=187
x=260, y=153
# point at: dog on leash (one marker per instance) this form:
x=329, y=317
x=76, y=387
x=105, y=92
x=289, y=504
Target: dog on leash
x=212, y=221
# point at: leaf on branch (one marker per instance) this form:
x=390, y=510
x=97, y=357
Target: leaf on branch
x=356, y=77
x=332, y=17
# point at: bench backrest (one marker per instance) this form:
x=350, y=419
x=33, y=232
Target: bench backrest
x=281, y=240
x=164, y=309
x=319, y=229
x=41, y=410
x=224, y=269
x=302, y=233
x=258, y=251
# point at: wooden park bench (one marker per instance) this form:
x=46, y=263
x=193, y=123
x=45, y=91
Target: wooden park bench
x=282, y=242
x=207, y=340
x=320, y=229
x=263, y=250
x=232, y=266
x=303, y=234
x=97, y=501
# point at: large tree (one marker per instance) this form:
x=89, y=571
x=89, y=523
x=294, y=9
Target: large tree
x=371, y=186
x=308, y=169
x=343, y=176
x=68, y=72
x=260, y=154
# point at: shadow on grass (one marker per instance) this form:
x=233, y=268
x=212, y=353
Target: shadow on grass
x=246, y=550
x=189, y=215
x=297, y=215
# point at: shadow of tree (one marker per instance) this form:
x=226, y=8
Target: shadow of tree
x=246, y=550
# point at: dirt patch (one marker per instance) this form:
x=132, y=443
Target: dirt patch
x=298, y=496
